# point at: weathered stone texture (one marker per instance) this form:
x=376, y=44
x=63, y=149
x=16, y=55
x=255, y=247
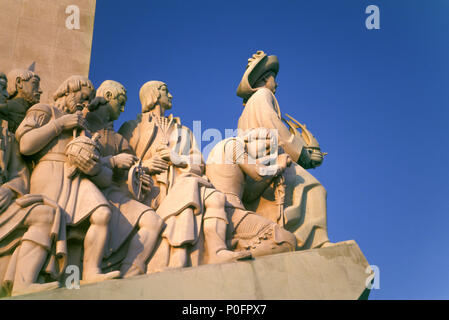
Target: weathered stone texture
x=35, y=30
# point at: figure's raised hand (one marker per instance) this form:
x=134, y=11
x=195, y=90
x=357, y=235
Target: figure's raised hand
x=70, y=121
x=123, y=160
x=283, y=161
x=90, y=167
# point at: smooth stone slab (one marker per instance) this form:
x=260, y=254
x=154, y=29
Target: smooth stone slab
x=336, y=272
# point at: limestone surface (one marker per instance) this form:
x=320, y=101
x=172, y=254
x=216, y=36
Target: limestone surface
x=340, y=272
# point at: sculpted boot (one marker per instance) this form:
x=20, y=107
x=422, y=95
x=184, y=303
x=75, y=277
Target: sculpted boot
x=273, y=240
x=215, y=242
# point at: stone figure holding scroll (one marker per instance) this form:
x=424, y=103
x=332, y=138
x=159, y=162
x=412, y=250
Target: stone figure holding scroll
x=67, y=170
x=134, y=227
x=32, y=228
x=192, y=209
x=305, y=199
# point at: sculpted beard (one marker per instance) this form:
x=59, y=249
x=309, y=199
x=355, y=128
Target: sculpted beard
x=31, y=97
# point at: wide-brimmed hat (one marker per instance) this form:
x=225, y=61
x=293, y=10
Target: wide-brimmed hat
x=257, y=66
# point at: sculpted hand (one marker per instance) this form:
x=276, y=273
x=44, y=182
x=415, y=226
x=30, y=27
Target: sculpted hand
x=283, y=162
x=147, y=182
x=6, y=197
x=91, y=167
x=70, y=121
x=171, y=157
x=155, y=165
x=123, y=161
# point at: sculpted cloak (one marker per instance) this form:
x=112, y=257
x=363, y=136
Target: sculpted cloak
x=178, y=195
x=126, y=211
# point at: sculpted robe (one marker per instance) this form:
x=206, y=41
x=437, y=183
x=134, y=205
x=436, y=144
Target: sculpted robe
x=126, y=211
x=78, y=197
x=177, y=195
x=303, y=215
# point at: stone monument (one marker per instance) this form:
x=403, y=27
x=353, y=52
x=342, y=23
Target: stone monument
x=142, y=203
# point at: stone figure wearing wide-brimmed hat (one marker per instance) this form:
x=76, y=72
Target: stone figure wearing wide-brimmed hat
x=305, y=199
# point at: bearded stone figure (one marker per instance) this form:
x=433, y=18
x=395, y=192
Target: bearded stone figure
x=24, y=91
x=49, y=136
x=304, y=206
x=32, y=228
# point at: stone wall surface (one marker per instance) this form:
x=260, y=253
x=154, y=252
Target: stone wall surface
x=336, y=272
x=36, y=31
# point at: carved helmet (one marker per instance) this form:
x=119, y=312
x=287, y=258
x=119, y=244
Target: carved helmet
x=257, y=66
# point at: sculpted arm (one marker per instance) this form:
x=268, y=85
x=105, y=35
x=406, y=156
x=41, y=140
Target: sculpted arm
x=37, y=129
x=267, y=117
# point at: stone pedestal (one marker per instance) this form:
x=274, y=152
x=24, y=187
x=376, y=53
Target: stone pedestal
x=336, y=272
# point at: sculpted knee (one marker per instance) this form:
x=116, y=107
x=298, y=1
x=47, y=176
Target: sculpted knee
x=151, y=221
x=42, y=214
x=101, y=216
x=216, y=200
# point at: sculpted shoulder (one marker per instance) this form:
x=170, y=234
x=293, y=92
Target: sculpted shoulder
x=42, y=107
x=127, y=128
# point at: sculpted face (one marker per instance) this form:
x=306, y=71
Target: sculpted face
x=270, y=82
x=30, y=90
x=116, y=106
x=165, y=98
x=3, y=93
x=79, y=100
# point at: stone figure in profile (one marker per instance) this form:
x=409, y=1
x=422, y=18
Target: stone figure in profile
x=228, y=164
x=32, y=228
x=67, y=170
x=192, y=209
x=24, y=91
x=134, y=227
x=305, y=199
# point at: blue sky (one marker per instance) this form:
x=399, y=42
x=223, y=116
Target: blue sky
x=377, y=101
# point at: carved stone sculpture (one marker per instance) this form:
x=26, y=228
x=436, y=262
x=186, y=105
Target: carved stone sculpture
x=192, y=209
x=32, y=228
x=43, y=137
x=227, y=166
x=128, y=249
x=305, y=199
x=24, y=91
